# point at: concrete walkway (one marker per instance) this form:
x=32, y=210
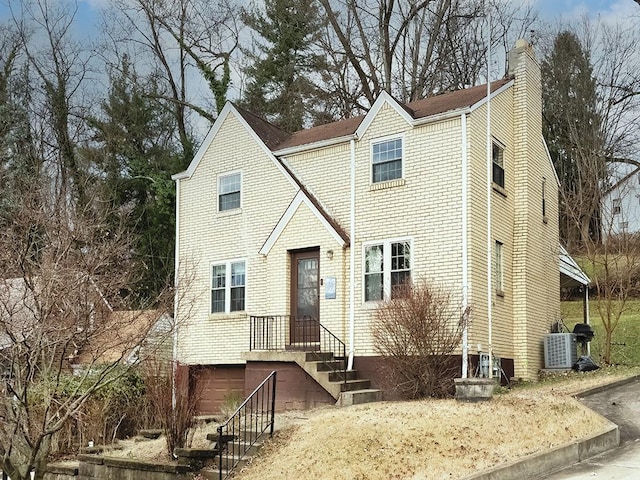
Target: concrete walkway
x=620, y=404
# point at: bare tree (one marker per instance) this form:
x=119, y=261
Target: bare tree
x=415, y=49
x=187, y=42
x=60, y=67
x=68, y=271
x=592, y=129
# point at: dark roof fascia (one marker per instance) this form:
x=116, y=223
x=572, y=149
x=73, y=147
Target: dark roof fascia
x=334, y=224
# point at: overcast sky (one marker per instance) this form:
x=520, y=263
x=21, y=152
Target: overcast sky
x=550, y=10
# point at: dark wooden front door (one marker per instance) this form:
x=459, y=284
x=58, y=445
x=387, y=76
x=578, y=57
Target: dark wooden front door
x=305, y=291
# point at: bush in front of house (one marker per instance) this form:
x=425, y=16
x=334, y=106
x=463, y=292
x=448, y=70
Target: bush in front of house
x=417, y=332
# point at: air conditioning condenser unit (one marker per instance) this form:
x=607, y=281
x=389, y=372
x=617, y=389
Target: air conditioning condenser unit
x=560, y=350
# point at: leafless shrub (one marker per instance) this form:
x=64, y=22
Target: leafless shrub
x=177, y=421
x=416, y=332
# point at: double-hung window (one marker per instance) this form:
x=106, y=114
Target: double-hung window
x=229, y=187
x=498, y=164
x=387, y=268
x=228, y=281
x=386, y=160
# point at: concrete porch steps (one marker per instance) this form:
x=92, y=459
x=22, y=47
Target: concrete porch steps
x=328, y=371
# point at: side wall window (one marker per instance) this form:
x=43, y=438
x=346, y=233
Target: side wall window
x=544, y=198
x=617, y=206
x=387, y=268
x=498, y=164
x=228, y=281
x=229, y=187
x=386, y=160
x=498, y=268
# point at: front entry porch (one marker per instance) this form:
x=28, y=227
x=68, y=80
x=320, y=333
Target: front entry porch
x=303, y=341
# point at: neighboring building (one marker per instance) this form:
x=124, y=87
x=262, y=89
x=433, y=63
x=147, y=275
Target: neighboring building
x=127, y=337
x=621, y=203
x=326, y=221
x=105, y=337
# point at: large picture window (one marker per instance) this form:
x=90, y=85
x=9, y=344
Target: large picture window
x=228, y=282
x=229, y=187
x=387, y=268
x=386, y=160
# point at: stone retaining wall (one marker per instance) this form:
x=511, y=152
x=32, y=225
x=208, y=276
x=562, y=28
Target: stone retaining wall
x=91, y=467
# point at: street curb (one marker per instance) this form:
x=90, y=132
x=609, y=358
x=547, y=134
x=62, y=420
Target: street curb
x=602, y=388
x=545, y=463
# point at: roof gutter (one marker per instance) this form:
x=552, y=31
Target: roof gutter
x=311, y=146
x=441, y=116
x=347, y=138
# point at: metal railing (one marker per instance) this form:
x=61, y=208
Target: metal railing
x=297, y=333
x=247, y=424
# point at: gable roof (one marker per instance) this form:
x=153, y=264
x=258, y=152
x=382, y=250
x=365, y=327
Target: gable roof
x=334, y=226
x=299, y=199
x=276, y=141
x=271, y=135
x=419, y=109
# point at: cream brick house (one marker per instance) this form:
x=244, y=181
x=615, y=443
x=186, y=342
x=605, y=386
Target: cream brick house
x=325, y=221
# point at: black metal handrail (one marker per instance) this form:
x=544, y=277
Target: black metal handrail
x=247, y=424
x=296, y=333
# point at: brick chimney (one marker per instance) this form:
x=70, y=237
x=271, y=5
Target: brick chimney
x=535, y=281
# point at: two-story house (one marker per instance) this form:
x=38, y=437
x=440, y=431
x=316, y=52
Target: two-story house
x=620, y=208
x=283, y=238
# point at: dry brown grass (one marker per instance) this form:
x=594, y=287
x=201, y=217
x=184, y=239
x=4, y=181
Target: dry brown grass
x=428, y=439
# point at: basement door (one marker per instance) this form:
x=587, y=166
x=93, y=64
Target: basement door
x=305, y=296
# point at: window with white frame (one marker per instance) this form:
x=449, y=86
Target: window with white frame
x=228, y=281
x=386, y=160
x=617, y=205
x=498, y=274
x=229, y=187
x=498, y=164
x=387, y=268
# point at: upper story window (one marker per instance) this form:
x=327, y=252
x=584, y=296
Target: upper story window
x=498, y=164
x=387, y=268
x=386, y=160
x=228, y=280
x=617, y=206
x=229, y=187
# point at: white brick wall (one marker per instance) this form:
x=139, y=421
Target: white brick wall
x=425, y=207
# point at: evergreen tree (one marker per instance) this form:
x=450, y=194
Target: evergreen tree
x=136, y=156
x=20, y=167
x=572, y=128
x=280, y=87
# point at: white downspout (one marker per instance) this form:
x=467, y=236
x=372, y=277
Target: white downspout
x=352, y=258
x=489, y=191
x=176, y=262
x=465, y=253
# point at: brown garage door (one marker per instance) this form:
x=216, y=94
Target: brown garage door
x=212, y=384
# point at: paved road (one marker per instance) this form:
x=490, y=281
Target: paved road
x=621, y=405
